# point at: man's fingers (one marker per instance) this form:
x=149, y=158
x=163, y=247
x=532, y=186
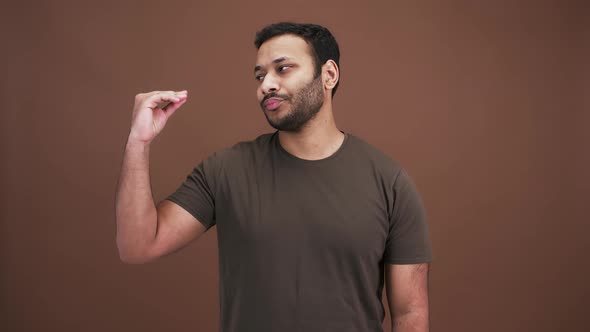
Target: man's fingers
x=161, y=100
x=174, y=106
x=165, y=104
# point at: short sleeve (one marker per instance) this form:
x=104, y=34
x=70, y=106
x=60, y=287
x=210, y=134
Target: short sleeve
x=408, y=240
x=196, y=194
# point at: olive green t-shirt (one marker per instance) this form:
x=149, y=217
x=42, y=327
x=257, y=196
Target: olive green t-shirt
x=303, y=243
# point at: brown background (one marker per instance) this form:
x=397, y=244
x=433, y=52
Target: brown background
x=484, y=102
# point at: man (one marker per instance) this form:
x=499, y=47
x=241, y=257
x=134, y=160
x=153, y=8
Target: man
x=309, y=218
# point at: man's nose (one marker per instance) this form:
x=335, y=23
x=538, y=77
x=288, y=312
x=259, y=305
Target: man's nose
x=269, y=84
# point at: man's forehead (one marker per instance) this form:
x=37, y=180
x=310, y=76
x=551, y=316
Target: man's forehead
x=284, y=46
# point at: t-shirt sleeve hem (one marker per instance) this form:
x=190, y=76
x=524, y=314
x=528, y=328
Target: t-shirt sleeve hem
x=194, y=213
x=413, y=260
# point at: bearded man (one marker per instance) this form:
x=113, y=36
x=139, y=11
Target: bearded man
x=311, y=221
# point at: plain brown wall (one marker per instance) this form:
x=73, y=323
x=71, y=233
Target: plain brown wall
x=484, y=102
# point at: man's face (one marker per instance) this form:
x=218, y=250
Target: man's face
x=288, y=92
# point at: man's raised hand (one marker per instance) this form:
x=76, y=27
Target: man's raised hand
x=151, y=112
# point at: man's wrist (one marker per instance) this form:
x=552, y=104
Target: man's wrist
x=136, y=144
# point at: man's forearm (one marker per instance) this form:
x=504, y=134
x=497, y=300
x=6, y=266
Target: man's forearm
x=412, y=321
x=136, y=213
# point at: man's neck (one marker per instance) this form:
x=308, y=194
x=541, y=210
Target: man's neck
x=319, y=139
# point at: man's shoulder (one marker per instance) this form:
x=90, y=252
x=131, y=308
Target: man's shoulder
x=380, y=162
x=379, y=158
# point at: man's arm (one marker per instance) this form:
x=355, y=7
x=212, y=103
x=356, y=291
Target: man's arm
x=407, y=296
x=144, y=231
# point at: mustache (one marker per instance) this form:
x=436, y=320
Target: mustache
x=272, y=95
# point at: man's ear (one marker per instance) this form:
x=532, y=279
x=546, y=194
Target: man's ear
x=330, y=74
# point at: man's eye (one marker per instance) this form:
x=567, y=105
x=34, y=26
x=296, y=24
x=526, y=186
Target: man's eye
x=282, y=68
x=259, y=77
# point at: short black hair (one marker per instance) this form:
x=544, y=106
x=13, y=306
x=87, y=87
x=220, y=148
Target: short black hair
x=322, y=43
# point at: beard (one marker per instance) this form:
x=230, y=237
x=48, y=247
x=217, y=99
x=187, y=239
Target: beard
x=305, y=104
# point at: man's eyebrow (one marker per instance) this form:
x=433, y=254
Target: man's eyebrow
x=275, y=61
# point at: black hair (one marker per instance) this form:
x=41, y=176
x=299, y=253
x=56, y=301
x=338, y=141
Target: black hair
x=322, y=43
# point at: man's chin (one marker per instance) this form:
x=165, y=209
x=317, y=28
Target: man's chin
x=277, y=123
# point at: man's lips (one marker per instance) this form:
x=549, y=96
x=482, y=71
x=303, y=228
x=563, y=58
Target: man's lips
x=272, y=103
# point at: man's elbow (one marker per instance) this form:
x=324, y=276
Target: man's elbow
x=414, y=309
x=131, y=255
x=411, y=319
